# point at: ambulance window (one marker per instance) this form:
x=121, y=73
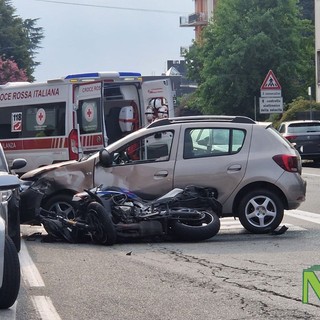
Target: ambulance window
x=89, y=115
x=44, y=120
x=10, y=123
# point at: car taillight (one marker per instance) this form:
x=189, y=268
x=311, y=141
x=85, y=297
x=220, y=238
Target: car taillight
x=73, y=145
x=287, y=162
x=290, y=137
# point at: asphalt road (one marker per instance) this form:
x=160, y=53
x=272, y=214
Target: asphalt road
x=234, y=275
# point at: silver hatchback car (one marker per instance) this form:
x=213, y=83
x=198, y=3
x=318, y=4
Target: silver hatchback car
x=255, y=171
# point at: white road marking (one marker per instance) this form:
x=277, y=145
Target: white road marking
x=304, y=215
x=45, y=308
x=232, y=224
x=311, y=174
x=29, y=271
x=32, y=278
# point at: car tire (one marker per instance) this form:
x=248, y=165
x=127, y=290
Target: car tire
x=15, y=235
x=100, y=220
x=261, y=211
x=62, y=205
x=11, y=275
x=14, y=220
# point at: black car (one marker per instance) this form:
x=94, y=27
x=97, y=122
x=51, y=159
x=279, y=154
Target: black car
x=304, y=136
x=13, y=198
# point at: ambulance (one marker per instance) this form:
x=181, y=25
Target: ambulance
x=67, y=118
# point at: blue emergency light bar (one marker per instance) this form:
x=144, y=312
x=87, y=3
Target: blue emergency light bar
x=95, y=75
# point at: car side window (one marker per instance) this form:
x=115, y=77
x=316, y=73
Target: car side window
x=149, y=148
x=208, y=142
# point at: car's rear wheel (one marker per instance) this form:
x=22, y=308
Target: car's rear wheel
x=11, y=275
x=62, y=205
x=261, y=211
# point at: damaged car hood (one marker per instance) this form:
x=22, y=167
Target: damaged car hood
x=36, y=172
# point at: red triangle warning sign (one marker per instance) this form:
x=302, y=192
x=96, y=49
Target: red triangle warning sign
x=270, y=82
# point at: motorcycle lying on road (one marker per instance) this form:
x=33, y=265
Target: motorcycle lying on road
x=108, y=215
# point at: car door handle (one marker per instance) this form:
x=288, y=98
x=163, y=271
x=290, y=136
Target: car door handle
x=235, y=167
x=161, y=174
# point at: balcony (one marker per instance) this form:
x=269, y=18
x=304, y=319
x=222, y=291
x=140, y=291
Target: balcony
x=194, y=19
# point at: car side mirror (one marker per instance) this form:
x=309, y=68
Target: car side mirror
x=105, y=158
x=18, y=164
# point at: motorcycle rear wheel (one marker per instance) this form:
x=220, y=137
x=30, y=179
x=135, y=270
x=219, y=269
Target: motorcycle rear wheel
x=103, y=230
x=193, y=231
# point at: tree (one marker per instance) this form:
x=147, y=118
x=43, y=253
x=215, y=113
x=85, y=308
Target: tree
x=246, y=39
x=9, y=71
x=19, y=39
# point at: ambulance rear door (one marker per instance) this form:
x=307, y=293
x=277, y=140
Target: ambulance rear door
x=88, y=100
x=158, y=99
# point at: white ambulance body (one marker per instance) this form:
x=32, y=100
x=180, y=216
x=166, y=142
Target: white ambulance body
x=63, y=119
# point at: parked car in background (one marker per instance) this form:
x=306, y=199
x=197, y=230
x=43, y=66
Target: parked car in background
x=9, y=260
x=12, y=196
x=256, y=172
x=305, y=137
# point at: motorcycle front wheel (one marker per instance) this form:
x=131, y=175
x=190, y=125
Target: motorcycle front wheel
x=101, y=225
x=192, y=230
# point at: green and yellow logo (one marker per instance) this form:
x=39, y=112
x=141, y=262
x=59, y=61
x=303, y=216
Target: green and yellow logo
x=310, y=279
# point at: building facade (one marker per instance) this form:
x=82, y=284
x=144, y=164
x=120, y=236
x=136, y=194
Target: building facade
x=200, y=18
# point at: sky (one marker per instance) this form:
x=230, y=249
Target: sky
x=107, y=35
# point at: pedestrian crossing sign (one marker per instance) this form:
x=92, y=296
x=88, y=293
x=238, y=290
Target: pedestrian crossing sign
x=270, y=82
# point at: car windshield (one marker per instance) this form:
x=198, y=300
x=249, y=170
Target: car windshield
x=304, y=127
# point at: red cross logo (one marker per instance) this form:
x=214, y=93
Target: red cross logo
x=41, y=116
x=89, y=112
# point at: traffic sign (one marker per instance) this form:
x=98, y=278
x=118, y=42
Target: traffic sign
x=270, y=93
x=270, y=82
x=271, y=105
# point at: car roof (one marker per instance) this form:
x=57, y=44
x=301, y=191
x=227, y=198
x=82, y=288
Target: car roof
x=300, y=121
x=203, y=118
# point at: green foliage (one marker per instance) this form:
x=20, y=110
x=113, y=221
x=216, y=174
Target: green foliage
x=19, y=39
x=188, y=105
x=244, y=41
